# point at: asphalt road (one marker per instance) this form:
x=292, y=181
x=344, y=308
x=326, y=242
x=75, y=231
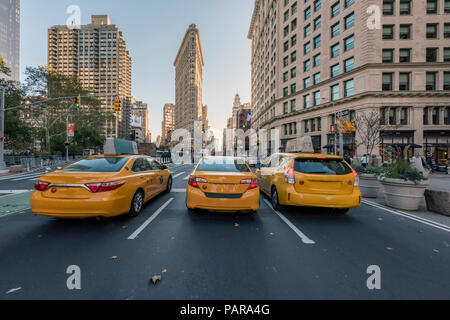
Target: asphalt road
x=296, y=254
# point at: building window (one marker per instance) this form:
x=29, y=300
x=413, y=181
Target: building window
x=447, y=116
x=349, y=21
x=404, y=116
x=293, y=105
x=306, y=101
x=348, y=3
x=349, y=43
x=334, y=70
x=405, y=31
x=285, y=61
x=294, y=56
x=447, y=81
x=317, y=41
x=306, y=65
x=317, y=100
x=388, y=7
x=317, y=22
x=306, y=122
x=307, y=48
x=335, y=9
x=285, y=77
x=426, y=112
x=335, y=50
x=388, y=55
x=387, y=81
x=286, y=15
x=335, y=92
x=307, y=13
x=313, y=125
x=447, y=6
x=317, y=5
x=405, y=55
x=294, y=8
x=383, y=116
x=286, y=31
x=293, y=88
x=316, y=77
x=431, y=81
x=285, y=92
x=294, y=24
x=432, y=6
x=294, y=40
x=293, y=72
x=446, y=30
x=432, y=31
x=317, y=60
x=393, y=116
x=306, y=82
x=436, y=116
x=405, y=7
x=447, y=54
x=285, y=107
x=388, y=32
x=307, y=30
x=404, y=79
x=349, y=88
x=286, y=46
x=432, y=54
x=335, y=29
x=349, y=64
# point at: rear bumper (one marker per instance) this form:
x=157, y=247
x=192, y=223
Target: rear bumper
x=345, y=201
x=196, y=199
x=98, y=206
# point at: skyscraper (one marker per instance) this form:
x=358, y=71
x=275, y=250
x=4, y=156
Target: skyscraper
x=168, y=123
x=189, y=81
x=10, y=36
x=97, y=54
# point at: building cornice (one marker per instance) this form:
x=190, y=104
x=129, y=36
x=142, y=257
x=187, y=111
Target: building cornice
x=254, y=17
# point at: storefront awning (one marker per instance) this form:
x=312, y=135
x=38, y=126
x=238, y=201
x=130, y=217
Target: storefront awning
x=403, y=145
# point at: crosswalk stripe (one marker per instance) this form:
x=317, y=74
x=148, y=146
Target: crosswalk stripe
x=29, y=177
x=22, y=175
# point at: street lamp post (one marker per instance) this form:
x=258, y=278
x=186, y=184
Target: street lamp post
x=2, y=130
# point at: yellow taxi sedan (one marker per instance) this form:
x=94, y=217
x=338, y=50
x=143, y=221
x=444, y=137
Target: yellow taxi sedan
x=223, y=184
x=310, y=180
x=100, y=186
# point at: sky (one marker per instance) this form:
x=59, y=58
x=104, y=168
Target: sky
x=154, y=30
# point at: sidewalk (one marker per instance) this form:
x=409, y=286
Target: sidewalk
x=437, y=182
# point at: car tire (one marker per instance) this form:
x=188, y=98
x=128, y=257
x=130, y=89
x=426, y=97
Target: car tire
x=275, y=200
x=169, y=185
x=137, y=203
x=341, y=211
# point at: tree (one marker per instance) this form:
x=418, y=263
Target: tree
x=368, y=131
x=44, y=83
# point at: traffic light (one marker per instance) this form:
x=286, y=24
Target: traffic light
x=117, y=105
x=77, y=102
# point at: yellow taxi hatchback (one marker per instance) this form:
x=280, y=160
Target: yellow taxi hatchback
x=223, y=184
x=310, y=180
x=103, y=186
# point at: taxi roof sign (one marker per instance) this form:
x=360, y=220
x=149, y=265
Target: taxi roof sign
x=115, y=146
x=303, y=144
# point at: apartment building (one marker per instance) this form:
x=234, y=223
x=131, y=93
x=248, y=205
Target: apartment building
x=140, y=117
x=97, y=54
x=189, y=81
x=314, y=58
x=10, y=36
x=168, y=123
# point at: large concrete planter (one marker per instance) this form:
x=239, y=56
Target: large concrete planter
x=369, y=185
x=404, y=195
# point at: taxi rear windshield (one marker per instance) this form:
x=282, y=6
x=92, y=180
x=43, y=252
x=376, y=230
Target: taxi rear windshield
x=97, y=165
x=322, y=166
x=219, y=165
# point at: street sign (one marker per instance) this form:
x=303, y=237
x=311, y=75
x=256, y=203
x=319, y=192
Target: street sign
x=343, y=113
x=70, y=130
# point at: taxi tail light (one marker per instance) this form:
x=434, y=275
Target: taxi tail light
x=105, y=186
x=193, y=181
x=41, y=186
x=252, y=182
x=356, y=178
x=289, y=176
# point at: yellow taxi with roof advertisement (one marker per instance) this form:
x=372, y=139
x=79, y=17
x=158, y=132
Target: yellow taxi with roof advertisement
x=223, y=184
x=100, y=186
x=309, y=180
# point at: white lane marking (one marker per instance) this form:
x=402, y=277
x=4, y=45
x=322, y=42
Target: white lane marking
x=409, y=216
x=10, y=192
x=178, y=174
x=302, y=236
x=149, y=220
x=187, y=178
x=29, y=177
x=14, y=290
x=16, y=176
x=178, y=190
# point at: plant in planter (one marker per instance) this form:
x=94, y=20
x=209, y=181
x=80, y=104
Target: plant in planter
x=368, y=181
x=404, y=186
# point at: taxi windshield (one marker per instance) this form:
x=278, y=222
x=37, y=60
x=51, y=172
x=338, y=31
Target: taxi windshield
x=97, y=165
x=322, y=166
x=223, y=165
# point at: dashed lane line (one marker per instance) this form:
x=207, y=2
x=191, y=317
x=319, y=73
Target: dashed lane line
x=178, y=174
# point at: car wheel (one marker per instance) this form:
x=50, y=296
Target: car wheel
x=137, y=203
x=341, y=211
x=169, y=185
x=275, y=200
